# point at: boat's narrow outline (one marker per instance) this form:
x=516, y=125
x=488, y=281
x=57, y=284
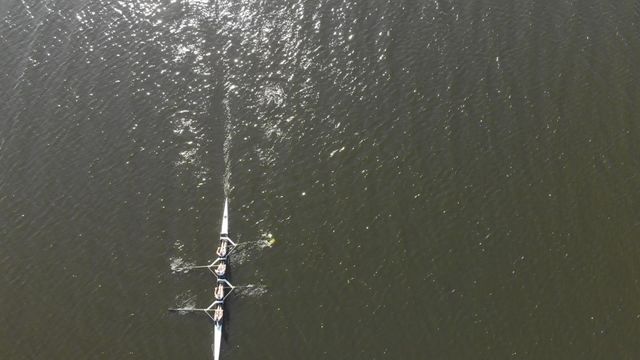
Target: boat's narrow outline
x=218, y=268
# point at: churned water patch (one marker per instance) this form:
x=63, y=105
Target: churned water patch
x=186, y=300
x=252, y=290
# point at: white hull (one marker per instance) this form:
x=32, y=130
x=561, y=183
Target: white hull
x=217, y=339
x=225, y=219
x=217, y=330
x=218, y=304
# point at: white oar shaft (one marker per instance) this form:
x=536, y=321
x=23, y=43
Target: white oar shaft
x=196, y=267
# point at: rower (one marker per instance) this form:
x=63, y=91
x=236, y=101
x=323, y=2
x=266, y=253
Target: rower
x=220, y=269
x=222, y=249
x=218, y=313
x=219, y=292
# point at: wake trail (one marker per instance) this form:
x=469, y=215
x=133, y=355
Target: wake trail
x=226, y=150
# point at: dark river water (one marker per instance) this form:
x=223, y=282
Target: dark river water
x=444, y=179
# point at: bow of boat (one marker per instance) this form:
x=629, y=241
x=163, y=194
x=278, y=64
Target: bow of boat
x=224, y=230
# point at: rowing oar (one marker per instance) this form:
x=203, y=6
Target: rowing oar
x=206, y=311
x=229, y=286
x=268, y=242
x=188, y=309
x=196, y=267
x=210, y=308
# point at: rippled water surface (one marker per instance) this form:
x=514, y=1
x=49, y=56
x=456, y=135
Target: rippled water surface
x=444, y=179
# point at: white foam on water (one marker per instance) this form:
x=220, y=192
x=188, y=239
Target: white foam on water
x=226, y=149
x=267, y=240
x=251, y=249
x=186, y=300
x=263, y=244
x=252, y=290
x=272, y=94
x=241, y=256
x=178, y=264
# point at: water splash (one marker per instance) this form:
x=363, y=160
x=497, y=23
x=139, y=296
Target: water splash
x=267, y=240
x=179, y=265
x=249, y=250
x=241, y=256
x=252, y=290
x=186, y=300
